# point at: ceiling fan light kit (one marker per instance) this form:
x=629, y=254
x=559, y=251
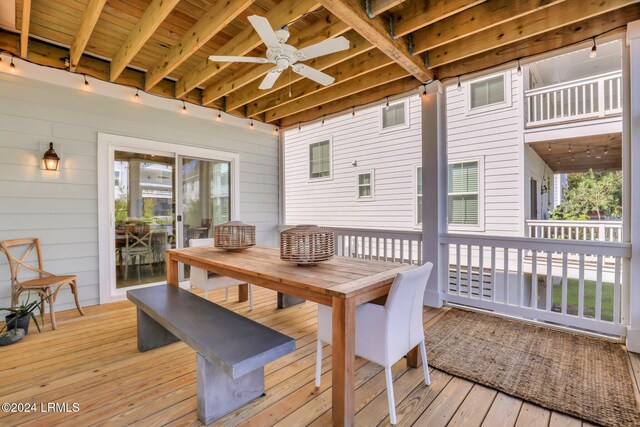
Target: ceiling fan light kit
x=283, y=55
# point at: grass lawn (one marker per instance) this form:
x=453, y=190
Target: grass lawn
x=589, y=298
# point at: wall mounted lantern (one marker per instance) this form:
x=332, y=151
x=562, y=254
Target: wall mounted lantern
x=51, y=159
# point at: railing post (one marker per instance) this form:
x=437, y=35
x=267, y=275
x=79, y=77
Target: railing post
x=600, y=84
x=601, y=232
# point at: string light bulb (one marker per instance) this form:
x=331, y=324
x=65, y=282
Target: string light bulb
x=184, y=107
x=519, y=68
x=299, y=126
x=459, y=85
x=594, y=50
x=251, y=122
x=386, y=107
x=549, y=147
x=588, y=151
x=353, y=111
x=606, y=149
x=86, y=82
x=572, y=158
x=569, y=147
x=322, y=121
x=219, y=115
x=12, y=66
x=424, y=90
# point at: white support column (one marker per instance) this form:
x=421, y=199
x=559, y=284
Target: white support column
x=631, y=126
x=434, y=180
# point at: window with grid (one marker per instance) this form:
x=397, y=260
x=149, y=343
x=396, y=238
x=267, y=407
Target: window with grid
x=365, y=185
x=463, y=194
x=419, y=195
x=393, y=115
x=320, y=159
x=487, y=92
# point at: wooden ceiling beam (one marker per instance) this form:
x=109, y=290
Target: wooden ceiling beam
x=251, y=93
x=552, y=40
x=90, y=17
x=243, y=43
x=415, y=14
x=367, y=81
x=216, y=18
x=153, y=16
x=377, y=7
x=343, y=104
x=362, y=64
x=527, y=26
x=243, y=76
x=474, y=20
x=376, y=31
x=24, y=28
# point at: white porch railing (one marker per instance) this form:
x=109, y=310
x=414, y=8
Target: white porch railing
x=385, y=245
x=569, y=283
x=606, y=231
x=587, y=98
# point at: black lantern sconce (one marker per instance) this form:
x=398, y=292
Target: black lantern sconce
x=51, y=159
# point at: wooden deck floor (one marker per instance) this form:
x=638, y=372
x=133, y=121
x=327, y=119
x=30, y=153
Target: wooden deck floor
x=93, y=361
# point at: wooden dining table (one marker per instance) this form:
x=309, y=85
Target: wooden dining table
x=341, y=283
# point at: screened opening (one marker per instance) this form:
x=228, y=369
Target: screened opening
x=320, y=159
x=487, y=92
x=463, y=193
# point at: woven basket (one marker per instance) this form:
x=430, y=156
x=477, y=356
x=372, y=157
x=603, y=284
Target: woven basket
x=306, y=244
x=234, y=236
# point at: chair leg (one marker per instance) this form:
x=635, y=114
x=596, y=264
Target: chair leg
x=250, y=298
x=226, y=294
x=74, y=290
x=390, y=398
x=423, y=353
x=318, y=362
x=52, y=312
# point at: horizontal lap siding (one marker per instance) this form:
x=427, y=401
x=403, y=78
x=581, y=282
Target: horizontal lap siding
x=391, y=155
x=62, y=208
x=493, y=135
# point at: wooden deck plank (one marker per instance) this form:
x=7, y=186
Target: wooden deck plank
x=93, y=360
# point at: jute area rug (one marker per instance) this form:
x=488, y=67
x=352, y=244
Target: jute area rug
x=581, y=376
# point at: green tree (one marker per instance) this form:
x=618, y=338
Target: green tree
x=599, y=192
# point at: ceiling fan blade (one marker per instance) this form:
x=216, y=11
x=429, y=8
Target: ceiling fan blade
x=270, y=79
x=264, y=30
x=218, y=58
x=313, y=74
x=324, y=48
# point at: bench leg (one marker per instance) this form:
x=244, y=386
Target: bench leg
x=151, y=334
x=285, y=300
x=219, y=394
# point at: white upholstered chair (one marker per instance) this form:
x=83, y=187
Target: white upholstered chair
x=384, y=334
x=208, y=281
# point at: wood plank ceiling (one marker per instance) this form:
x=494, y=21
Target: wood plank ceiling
x=162, y=46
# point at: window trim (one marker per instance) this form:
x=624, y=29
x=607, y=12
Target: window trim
x=481, y=207
x=407, y=116
x=506, y=103
x=309, y=144
x=372, y=197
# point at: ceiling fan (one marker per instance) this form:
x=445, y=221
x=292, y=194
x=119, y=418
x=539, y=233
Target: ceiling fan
x=285, y=56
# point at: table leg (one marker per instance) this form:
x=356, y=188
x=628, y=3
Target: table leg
x=343, y=361
x=413, y=358
x=172, y=270
x=243, y=292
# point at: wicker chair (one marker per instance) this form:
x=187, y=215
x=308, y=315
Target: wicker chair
x=46, y=285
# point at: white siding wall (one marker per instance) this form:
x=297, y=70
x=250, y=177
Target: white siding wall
x=496, y=136
x=392, y=156
x=61, y=208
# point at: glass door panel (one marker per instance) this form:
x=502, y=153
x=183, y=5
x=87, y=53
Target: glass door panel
x=144, y=216
x=205, y=198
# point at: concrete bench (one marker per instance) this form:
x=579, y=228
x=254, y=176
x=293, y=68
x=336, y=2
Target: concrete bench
x=231, y=349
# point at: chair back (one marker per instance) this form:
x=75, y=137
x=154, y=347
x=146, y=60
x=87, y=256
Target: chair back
x=197, y=276
x=200, y=242
x=404, y=308
x=138, y=237
x=17, y=252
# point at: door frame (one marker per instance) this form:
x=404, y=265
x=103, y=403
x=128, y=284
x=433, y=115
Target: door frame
x=107, y=145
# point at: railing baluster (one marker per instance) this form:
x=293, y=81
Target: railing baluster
x=401, y=250
x=410, y=251
x=520, y=281
x=618, y=94
x=493, y=273
x=458, y=261
x=534, y=280
x=549, y=287
x=506, y=275
x=616, y=291
x=481, y=271
x=581, y=285
x=599, y=287
x=469, y=271
x=565, y=262
x=385, y=249
x=584, y=99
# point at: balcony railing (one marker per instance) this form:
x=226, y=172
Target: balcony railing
x=384, y=245
x=604, y=231
x=587, y=98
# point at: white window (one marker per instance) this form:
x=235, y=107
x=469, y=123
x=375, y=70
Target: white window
x=320, y=159
x=419, y=195
x=463, y=196
x=487, y=92
x=394, y=116
x=365, y=185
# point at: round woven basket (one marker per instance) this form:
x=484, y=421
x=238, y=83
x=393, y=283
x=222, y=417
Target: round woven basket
x=306, y=244
x=234, y=236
